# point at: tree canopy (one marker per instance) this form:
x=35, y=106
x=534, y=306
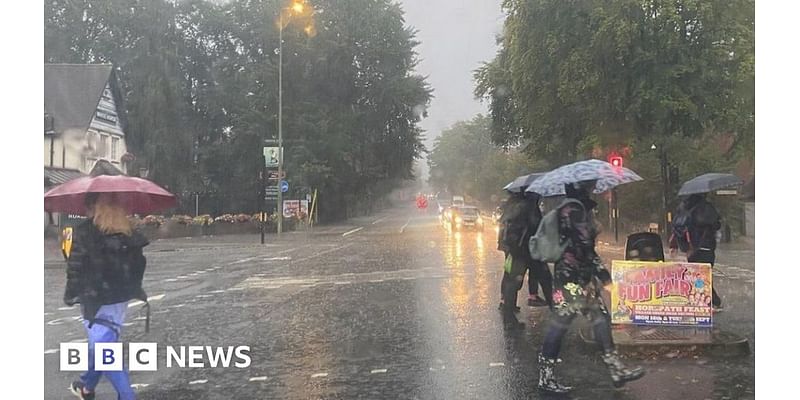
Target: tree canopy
x=200, y=84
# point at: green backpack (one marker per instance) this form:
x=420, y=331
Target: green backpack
x=546, y=244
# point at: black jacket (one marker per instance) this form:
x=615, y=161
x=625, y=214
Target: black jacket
x=104, y=269
x=519, y=222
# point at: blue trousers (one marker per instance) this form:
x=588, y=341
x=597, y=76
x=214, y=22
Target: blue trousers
x=113, y=315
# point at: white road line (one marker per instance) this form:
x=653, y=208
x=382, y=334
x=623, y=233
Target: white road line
x=378, y=371
x=342, y=283
x=320, y=375
x=497, y=364
x=244, y=260
x=258, y=379
x=376, y=280
x=217, y=291
x=170, y=280
x=139, y=385
x=48, y=313
x=182, y=277
x=65, y=308
x=352, y=231
x=51, y=351
x=157, y=297
x=404, y=226
x=284, y=258
x=344, y=246
x=55, y=322
x=201, y=296
x=177, y=305
x=379, y=220
x=199, y=381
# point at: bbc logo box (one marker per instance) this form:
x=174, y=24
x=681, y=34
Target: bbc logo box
x=109, y=356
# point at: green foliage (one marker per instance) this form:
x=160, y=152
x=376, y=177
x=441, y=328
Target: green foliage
x=200, y=82
x=464, y=161
x=621, y=71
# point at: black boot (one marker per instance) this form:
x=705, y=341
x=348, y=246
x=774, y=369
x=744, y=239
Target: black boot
x=621, y=374
x=547, y=376
x=510, y=321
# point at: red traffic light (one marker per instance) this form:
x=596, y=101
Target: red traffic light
x=616, y=161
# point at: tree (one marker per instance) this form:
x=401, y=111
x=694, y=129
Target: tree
x=464, y=161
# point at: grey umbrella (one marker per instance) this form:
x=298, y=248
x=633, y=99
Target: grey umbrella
x=708, y=183
x=521, y=182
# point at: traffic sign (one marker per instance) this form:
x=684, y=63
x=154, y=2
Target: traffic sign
x=273, y=175
x=284, y=186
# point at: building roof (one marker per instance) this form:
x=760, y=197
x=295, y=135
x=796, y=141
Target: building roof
x=56, y=176
x=72, y=93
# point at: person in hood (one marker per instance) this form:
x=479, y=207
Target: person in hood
x=702, y=221
x=104, y=271
x=577, y=291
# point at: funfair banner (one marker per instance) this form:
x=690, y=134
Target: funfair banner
x=661, y=293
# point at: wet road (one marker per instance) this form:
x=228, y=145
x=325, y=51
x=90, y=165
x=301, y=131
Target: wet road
x=386, y=307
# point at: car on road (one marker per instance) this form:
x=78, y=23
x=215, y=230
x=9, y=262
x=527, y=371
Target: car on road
x=462, y=218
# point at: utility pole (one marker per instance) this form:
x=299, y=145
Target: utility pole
x=262, y=194
x=665, y=181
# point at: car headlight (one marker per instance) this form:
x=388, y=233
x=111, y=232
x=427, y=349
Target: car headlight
x=458, y=220
x=479, y=221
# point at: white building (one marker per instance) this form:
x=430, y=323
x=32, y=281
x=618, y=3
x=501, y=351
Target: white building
x=82, y=122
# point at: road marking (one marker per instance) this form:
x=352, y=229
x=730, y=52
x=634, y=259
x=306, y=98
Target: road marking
x=199, y=381
x=379, y=220
x=376, y=280
x=352, y=231
x=55, y=322
x=244, y=260
x=258, y=379
x=342, y=283
x=284, y=258
x=170, y=280
x=497, y=364
x=51, y=351
x=344, y=246
x=65, y=308
x=178, y=305
x=404, y=226
x=217, y=291
x=320, y=375
x=182, y=277
x=139, y=385
x=202, y=296
x=157, y=297
x=378, y=371
x=48, y=313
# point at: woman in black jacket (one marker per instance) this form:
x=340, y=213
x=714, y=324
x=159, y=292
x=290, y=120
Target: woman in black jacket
x=104, y=271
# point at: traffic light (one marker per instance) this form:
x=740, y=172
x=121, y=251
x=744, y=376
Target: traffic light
x=616, y=161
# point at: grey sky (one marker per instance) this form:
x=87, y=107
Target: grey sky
x=457, y=36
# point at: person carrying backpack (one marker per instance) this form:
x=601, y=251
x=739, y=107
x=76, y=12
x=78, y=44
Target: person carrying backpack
x=694, y=233
x=519, y=222
x=576, y=289
x=104, y=271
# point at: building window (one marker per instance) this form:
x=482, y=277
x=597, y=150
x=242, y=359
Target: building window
x=103, y=150
x=114, y=146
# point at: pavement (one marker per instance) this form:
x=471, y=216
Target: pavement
x=390, y=306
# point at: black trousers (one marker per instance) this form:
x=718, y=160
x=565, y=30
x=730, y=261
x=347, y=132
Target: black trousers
x=706, y=256
x=538, y=272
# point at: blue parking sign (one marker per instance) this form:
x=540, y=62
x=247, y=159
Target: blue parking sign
x=284, y=186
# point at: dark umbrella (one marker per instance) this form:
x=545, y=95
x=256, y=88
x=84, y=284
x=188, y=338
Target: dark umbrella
x=138, y=196
x=708, y=183
x=521, y=182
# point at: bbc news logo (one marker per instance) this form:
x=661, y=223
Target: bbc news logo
x=144, y=356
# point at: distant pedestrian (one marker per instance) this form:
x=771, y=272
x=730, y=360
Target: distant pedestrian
x=576, y=291
x=694, y=231
x=104, y=271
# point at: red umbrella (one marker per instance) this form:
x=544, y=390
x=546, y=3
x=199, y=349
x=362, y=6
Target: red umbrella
x=138, y=196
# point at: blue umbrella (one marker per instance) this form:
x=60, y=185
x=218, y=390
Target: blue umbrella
x=606, y=175
x=521, y=182
x=708, y=183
